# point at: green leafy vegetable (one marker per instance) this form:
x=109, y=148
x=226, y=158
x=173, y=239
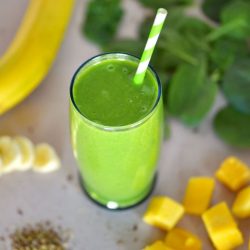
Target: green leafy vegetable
x=233, y=127
x=178, y=21
x=236, y=85
x=175, y=19
x=238, y=12
x=226, y=50
x=193, y=26
x=155, y=4
x=182, y=47
x=161, y=59
x=177, y=47
x=102, y=20
x=191, y=94
x=190, y=29
x=235, y=19
x=173, y=47
x=180, y=41
x=213, y=8
x=194, y=30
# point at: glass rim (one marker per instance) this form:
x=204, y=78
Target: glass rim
x=108, y=127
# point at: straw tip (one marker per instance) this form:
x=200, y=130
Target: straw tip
x=138, y=80
x=162, y=11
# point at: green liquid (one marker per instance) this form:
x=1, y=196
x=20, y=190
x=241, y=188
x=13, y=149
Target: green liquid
x=117, y=164
x=105, y=93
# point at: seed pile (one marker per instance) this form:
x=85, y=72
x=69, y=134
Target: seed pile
x=39, y=237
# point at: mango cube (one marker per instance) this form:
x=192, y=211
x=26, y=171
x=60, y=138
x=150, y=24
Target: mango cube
x=230, y=239
x=222, y=228
x=198, y=195
x=241, y=206
x=163, y=212
x=233, y=173
x=158, y=245
x=181, y=239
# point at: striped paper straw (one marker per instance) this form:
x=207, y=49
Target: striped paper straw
x=150, y=45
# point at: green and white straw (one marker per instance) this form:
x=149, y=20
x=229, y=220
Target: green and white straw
x=150, y=45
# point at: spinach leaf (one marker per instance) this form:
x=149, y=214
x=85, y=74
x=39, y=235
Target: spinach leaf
x=155, y=4
x=194, y=30
x=161, y=60
x=213, y=8
x=235, y=18
x=191, y=94
x=184, y=40
x=133, y=47
x=164, y=57
x=176, y=19
x=233, y=127
x=226, y=50
x=180, y=22
x=194, y=26
x=180, y=47
x=173, y=20
x=181, y=40
x=236, y=85
x=102, y=20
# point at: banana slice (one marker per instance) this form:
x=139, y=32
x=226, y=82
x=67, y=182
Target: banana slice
x=46, y=159
x=27, y=153
x=9, y=153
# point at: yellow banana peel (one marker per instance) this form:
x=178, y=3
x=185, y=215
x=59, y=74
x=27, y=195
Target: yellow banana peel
x=30, y=55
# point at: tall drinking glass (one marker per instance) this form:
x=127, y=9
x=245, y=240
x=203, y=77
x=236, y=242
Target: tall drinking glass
x=116, y=129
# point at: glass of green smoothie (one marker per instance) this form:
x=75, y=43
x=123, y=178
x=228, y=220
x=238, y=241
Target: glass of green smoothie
x=116, y=129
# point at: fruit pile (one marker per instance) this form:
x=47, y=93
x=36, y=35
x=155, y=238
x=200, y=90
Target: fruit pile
x=19, y=153
x=163, y=212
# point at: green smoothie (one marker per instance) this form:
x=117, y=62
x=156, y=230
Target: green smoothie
x=116, y=129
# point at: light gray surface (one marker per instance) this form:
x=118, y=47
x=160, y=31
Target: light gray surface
x=44, y=117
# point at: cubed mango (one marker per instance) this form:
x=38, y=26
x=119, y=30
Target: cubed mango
x=218, y=218
x=163, y=212
x=158, y=245
x=198, y=195
x=241, y=206
x=180, y=239
x=228, y=239
x=221, y=227
x=233, y=173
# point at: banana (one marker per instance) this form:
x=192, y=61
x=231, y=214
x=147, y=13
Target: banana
x=27, y=153
x=10, y=154
x=29, y=57
x=46, y=159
